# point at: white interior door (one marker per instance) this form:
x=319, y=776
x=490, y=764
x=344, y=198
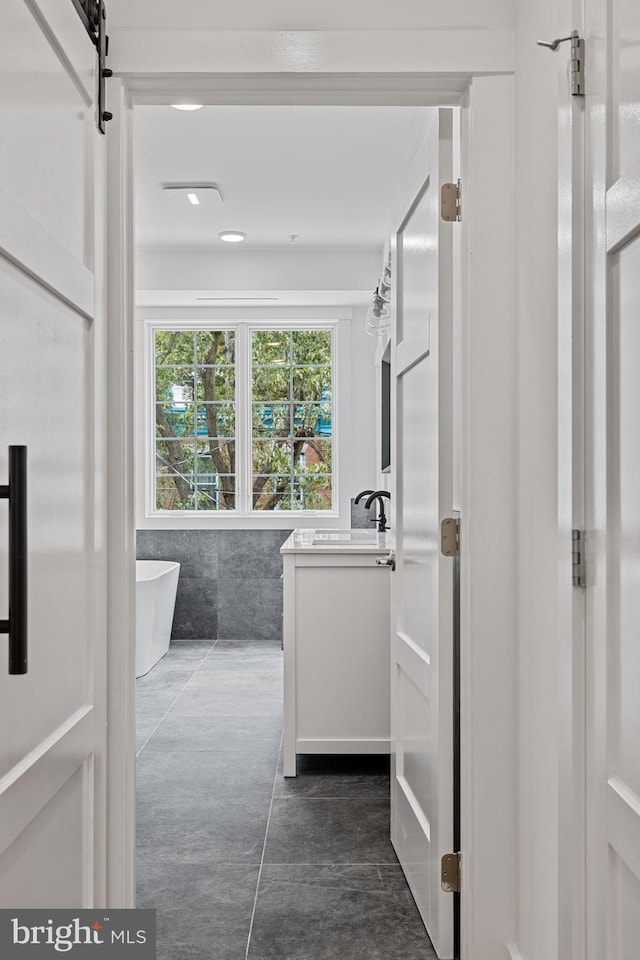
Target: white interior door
x=613, y=403
x=52, y=719
x=422, y=584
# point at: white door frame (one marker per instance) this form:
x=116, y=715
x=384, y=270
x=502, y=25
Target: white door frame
x=488, y=404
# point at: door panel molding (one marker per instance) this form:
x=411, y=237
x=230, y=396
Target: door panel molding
x=77, y=55
x=32, y=783
x=30, y=247
x=621, y=211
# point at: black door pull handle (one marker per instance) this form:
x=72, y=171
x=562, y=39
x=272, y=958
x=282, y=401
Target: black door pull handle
x=16, y=626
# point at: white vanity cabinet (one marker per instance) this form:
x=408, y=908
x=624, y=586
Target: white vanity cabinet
x=336, y=644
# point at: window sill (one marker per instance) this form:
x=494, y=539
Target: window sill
x=230, y=520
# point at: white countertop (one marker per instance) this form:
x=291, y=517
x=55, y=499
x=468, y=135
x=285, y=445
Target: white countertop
x=335, y=541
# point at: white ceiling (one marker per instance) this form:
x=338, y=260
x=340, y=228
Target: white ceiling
x=328, y=174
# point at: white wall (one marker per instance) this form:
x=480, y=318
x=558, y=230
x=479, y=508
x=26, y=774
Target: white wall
x=310, y=15
x=291, y=269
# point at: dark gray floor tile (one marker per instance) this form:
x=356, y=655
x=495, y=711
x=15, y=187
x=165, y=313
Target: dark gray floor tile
x=202, y=830
x=329, y=912
x=203, y=703
x=184, y=936
x=163, y=677
x=187, y=774
x=248, y=734
x=196, y=613
x=154, y=701
x=195, y=550
x=337, y=777
x=254, y=646
x=329, y=831
x=224, y=890
x=146, y=725
x=144, y=729
x=250, y=609
x=190, y=649
x=251, y=554
x=229, y=679
x=250, y=664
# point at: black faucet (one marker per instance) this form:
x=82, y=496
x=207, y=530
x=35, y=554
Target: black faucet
x=379, y=496
x=363, y=493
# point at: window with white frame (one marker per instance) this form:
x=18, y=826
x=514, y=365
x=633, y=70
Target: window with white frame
x=243, y=418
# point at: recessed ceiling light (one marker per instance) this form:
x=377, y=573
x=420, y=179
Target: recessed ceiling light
x=193, y=198
x=232, y=236
x=190, y=107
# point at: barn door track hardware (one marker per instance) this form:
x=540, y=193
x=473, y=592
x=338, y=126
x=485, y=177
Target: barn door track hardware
x=94, y=18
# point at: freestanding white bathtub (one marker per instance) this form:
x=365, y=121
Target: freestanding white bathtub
x=156, y=588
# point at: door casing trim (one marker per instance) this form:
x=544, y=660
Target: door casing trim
x=489, y=830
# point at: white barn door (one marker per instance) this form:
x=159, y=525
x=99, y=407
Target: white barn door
x=613, y=459
x=52, y=718
x=422, y=584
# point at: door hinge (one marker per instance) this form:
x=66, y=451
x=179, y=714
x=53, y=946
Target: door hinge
x=450, y=202
x=577, y=65
x=577, y=558
x=450, y=873
x=577, y=59
x=450, y=537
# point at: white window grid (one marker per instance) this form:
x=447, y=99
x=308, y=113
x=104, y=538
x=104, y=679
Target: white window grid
x=244, y=405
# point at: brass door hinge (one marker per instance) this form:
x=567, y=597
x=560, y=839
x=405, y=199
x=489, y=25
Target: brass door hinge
x=450, y=537
x=450, y=869
x=450, y=202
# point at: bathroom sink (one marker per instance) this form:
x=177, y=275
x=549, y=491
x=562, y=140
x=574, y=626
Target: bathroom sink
x=344, y=536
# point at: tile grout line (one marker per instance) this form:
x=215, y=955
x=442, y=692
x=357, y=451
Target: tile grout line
x=264, y=848
x=178, y=695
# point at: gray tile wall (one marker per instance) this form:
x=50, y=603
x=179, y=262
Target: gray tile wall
x=230, y=586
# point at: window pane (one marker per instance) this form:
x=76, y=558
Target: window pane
x=215, y=492
x=312, y=383
x=313, y=419
x=312, y=493
x=174, y=384
x=271, y=419
x=291, y=457
x=215, y=383
x=216, y=347
x=272, y=493
x=312, y=347
x=195, y=419
x=174, y=496
x=216, y=419
x=272, y=456
x=216, y=456
x=314, y=456
x=175, y=456
x=271, y=347
x=174, y=347
x=271, y=383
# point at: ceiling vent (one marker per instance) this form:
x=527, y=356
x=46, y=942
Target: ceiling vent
x=192, y=194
